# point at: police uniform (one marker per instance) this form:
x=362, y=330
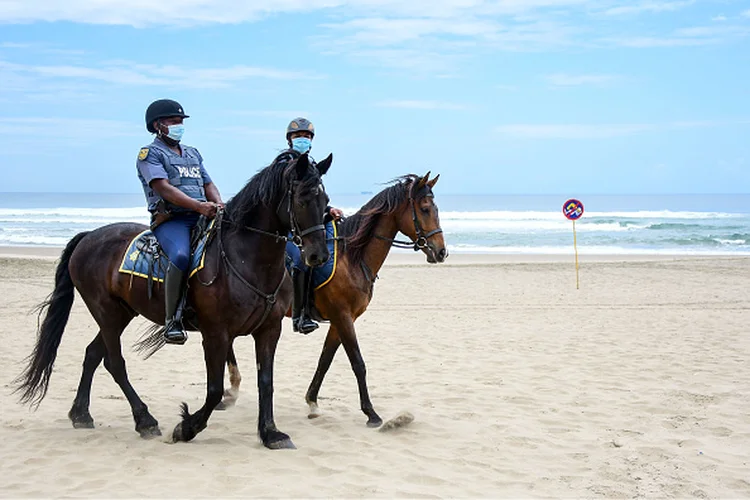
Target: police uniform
x=184, y=172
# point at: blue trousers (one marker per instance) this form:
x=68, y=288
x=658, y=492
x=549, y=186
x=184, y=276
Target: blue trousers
x=174, y=238
x=294, y=255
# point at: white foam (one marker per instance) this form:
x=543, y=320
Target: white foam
x=588, y=250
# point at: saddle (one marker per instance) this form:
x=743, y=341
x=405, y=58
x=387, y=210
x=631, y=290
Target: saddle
x=144, y=257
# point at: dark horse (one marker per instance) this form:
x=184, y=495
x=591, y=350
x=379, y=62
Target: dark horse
x=407, y=206
x=241, y=290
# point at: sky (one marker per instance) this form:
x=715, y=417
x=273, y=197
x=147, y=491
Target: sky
x=504, y=96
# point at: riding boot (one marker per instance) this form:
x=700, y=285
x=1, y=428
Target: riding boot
x=174, y=301
x=301, y=322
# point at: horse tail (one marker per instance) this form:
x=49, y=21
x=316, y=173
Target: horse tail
x=34, y=381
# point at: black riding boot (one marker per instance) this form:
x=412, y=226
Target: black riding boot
x=300, y=321
x=173, y=289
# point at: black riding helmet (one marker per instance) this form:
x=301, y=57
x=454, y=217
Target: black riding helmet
x=299, y=125
x=163, y=108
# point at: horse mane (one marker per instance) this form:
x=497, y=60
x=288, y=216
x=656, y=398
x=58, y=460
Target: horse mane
x=358, y=229
x=261, y=190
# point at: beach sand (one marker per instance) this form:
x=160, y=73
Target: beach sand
x=635, y=385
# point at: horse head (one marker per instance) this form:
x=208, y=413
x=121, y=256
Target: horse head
x=306, y=201
x=420, y=221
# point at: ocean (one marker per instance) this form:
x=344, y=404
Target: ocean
x=502, y=224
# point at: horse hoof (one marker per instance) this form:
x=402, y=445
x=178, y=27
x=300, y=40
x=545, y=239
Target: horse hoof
x=83, y=424
x=314, y=411
x=277, y=440
x=150, y=432
x=373, y=422
x=177, y=433
x=221, y=406
x=283, y=444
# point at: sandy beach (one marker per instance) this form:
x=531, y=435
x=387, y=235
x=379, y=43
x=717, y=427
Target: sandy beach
x=635, y=385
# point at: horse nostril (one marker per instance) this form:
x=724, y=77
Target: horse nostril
x=442, y=254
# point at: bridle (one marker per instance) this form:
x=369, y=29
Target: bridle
x=421, y=242
x=297, y=233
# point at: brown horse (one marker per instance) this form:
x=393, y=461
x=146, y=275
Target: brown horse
x=407, y=206
x=241, y=291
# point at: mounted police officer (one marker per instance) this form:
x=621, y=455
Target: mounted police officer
x=178, y=190
x=299, y=135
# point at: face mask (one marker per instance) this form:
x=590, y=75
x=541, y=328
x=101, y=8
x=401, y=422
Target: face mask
x=301, y=144
x=176, y=131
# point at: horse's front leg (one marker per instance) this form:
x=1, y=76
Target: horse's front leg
x=235, y=378
x=349, y=340
x=265, y=350
x=330, y=346
x=215, y=349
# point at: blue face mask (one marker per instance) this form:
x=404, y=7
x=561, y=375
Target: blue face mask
x=176, y=131
x=301, y=144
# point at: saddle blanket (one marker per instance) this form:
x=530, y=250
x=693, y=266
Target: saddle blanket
x=144, y=253
x=322, y=275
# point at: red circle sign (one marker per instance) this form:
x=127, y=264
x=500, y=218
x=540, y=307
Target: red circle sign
x=572, y=209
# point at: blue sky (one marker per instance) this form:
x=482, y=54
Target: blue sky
x=509, y=96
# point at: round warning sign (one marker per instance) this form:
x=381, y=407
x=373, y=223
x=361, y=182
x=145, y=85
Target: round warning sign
x=572, y=209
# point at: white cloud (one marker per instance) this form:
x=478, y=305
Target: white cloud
x=746, y=13
x=389, y=31
x=647, y=7
x=422, y=36
x=598, y=131
x=141, y=13
x=686, y=37
x=126, y=73
x=423, y=105
x=192, y=12
x=566, y=80
x=719, y=19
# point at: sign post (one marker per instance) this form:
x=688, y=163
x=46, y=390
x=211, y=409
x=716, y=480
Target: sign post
x=573, y=210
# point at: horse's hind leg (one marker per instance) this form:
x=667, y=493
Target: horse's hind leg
x=235, y=378
x=113, y=319
x=79, y=413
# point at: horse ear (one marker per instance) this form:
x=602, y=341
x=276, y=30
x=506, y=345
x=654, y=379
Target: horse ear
x=303, y=163
x=423, y=180
x=325, y=164
x=433, y=181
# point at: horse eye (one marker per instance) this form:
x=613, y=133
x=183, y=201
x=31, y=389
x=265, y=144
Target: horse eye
x=425, y=210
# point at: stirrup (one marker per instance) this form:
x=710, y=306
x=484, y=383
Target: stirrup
x=175, y=333
x=304, y=325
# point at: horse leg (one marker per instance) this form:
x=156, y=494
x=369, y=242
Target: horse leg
x=231, y=394
x=79, y=414
x=330, y=346
x=349, y=339
x=215, y=348
x=265, y=350
x=111, y=330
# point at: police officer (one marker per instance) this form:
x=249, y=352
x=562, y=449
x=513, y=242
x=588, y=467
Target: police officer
x=178, y=190
x=299, y=135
